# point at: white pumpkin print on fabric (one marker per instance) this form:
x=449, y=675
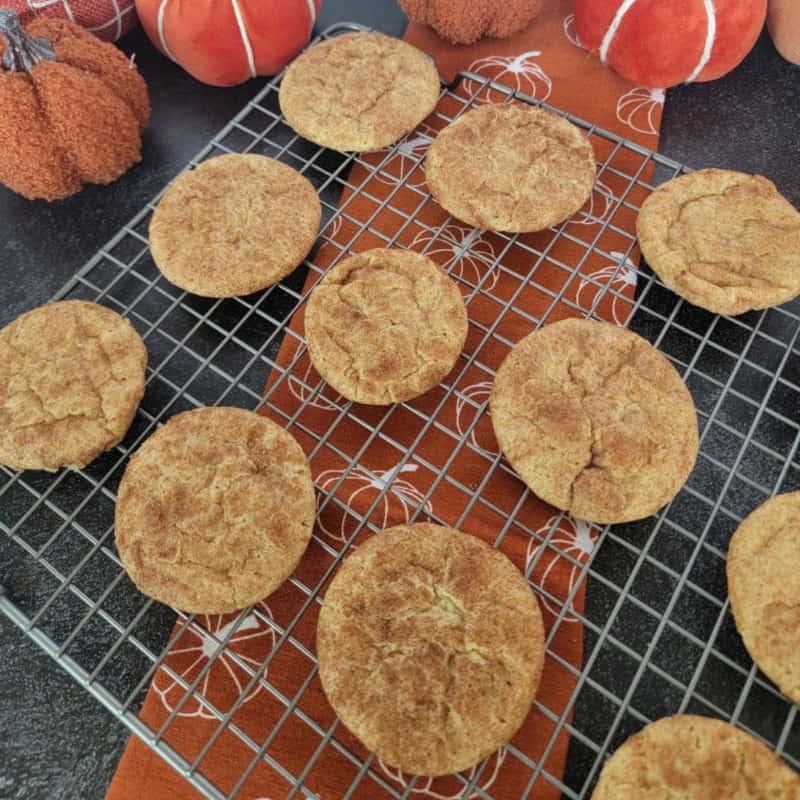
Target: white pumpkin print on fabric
x=407, y=155
x=478, y=393
x=400, y=499
x=638, y=109
x=570, y=32
x=521, y=72
x=575, y=538
x=424, y=787
x=252, y=642
x=303, y=385
x=619, y=275
x=598, y=207
x=464, y=252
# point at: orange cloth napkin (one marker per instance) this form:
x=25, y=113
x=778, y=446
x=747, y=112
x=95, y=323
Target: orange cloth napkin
x=407, y=462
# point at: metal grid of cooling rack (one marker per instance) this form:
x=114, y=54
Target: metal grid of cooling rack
x=658, y=635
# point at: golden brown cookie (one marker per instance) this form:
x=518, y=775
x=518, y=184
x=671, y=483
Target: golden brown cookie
x=234, y=225
x=726, y=241
x=359, y=91
x=71, y=378
x=385, y=326
x=430, y=648
x=764, y=588
x=214, y=510
x=686, y=757
x=595, y=420
x=511, y=168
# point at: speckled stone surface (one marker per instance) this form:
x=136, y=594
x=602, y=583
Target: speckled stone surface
x=58, y=742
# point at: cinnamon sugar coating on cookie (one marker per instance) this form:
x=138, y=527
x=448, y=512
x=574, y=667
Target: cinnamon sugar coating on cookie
x=510, y=168
x=385, y=326
x=359, y=91
x=764, y=587
x=687, y=757
x=595, y=420
x=430, y=648
x=71, y=377
x=214, y=510
x=234, y=225
x=726, y=241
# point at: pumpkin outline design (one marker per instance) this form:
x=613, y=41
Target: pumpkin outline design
x=251, y=626
x=570, y=32
x=425, y=788
x=637, y=106
x=302, y=387
x=587, y=214
x=617, y=275
x=408, y=153
x=479, y=393
x=528, y=76
x=578, y=540
x=409, y=497
x=466, y=247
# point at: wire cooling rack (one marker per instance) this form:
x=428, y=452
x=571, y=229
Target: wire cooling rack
x=658, y=634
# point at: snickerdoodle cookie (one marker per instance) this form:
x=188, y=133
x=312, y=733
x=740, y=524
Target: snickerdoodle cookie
x=430, y=648
x=726, y=241
x=359, y=91
x=595, y=420
x=385, y=326
x=764, y=588
x=686, y=757
x=511, y=168
x=214, y=510
x=71, y=378
x=233, y=225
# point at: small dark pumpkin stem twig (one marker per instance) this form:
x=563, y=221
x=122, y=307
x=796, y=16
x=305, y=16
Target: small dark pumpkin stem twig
x=23, y=51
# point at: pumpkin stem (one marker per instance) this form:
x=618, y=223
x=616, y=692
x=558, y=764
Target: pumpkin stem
x=22, y=51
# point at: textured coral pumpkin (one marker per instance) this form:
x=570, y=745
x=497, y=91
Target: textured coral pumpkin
x=464, y=23
x=72, y=108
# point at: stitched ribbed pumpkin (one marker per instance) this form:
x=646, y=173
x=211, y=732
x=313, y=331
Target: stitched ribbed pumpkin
x=225, y=42
x=71, y=108
x=660, y=43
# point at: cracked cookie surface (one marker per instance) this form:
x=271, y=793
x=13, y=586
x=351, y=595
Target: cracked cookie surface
x=764, y=589
x=595, y=420
x=726, y=241
x=71, y=377
x=508, y=168
x=234, y=225
x=430, y=648
x=214, y=510
x=688, y=757
x=360, y=91
x=385, y=326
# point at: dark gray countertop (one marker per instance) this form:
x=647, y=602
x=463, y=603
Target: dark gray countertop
x=55, y=740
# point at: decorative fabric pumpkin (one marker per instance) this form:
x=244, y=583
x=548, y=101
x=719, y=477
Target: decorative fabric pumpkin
x=464, y=23
x=108, y=19
x=659, y=44
x=71, y=108
x=784, y=27
x=225, y=42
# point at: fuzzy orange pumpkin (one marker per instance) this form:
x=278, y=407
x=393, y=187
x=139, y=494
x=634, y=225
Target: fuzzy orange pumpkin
x=225, y=42
x=464, y=23
x=71, y=108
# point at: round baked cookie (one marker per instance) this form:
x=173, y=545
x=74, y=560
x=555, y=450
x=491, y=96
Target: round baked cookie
x=214, y=510
x=764, y=587
x=71, y=378
x=726, y=241
x=511, y=168
x=595, y=420
x=234, y=225
x=430, y=647
x=359, y=91
x=385, y=326
x=687, y=757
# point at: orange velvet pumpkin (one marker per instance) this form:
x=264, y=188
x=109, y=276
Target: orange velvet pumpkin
x=225, y=42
